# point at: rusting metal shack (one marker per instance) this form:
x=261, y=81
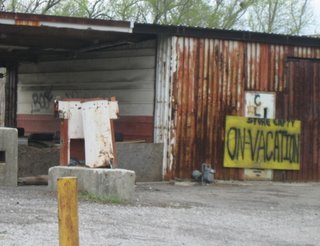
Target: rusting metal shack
x=175, y=84
x=202, y=77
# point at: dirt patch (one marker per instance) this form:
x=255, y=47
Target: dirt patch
x=33, y=161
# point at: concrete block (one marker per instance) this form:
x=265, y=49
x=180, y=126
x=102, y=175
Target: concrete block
x=8, y=156
x=143, y=158
x=118, y=183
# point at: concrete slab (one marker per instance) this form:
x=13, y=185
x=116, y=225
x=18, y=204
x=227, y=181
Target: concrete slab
x=143, y=158
x=8, y=156
x=117, y=183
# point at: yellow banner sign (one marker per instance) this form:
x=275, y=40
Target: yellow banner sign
x=262, y=143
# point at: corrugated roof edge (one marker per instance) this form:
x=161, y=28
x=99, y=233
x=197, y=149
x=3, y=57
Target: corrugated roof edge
x=185, y=31
x=53, y=18
x=198, y=32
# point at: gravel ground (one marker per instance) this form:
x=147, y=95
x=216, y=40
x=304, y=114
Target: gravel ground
x=226, y=213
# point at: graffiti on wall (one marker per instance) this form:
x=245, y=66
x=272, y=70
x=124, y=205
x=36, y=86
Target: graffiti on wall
x=42, y=101
x=262, y=143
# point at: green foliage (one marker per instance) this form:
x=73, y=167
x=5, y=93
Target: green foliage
x=280, y=16
x=86, y=196
x=277, y=16
x=71, y=8
x=30, y=6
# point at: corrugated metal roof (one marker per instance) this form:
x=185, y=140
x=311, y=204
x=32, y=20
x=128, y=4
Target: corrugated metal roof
x=23, y=18
x=26, y=36
x=198, y=32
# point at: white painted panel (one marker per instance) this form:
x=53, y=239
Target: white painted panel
x=88, y=76
x=124, y=109
x=135, y=109
x=166, y=67
x=113, y=54
x=126, y=73
x=100, y=64
x=71, y=111
x=260, y=104
x=45, y=97
x=97, y=134
x=71, y=88
x=131, y=102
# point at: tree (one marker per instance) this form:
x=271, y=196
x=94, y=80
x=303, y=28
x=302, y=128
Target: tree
x=203, y=13
x=100, y=9
x=280, y=16
x=166, y=11
x=227, y=14
x=71, y=8
x=93, y=9
x=126, y=10
x=30, y=6
x=276, y=16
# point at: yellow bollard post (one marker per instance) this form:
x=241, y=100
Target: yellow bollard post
x=68, y=211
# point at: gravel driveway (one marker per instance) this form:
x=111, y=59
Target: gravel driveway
x=226, y=213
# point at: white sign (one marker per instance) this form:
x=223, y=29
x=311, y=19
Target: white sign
x=260, y=104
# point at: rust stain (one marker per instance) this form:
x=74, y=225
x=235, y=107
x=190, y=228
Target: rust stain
x=211, y=79
x=22, y=22
x=64, y=143
x=301, y=100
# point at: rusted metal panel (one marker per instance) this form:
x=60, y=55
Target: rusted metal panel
x=64, y=144
x=21, y=22
x=205, y=89
x=34, y=20
x=209, y=82
x=301, y=101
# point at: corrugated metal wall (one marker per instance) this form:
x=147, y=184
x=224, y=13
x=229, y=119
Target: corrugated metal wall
x=301, y=100
x=166, y=58
x=127, y=73
x=208, y=82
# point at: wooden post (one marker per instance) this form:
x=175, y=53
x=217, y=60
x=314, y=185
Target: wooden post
x=68, y=211
x=114, y=146
x=2, y=97
x=64, y=143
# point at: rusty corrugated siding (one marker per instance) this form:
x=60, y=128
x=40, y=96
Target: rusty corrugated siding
x=301, y=100
x=166, y=59
x=206, y=87
x=209, y=83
